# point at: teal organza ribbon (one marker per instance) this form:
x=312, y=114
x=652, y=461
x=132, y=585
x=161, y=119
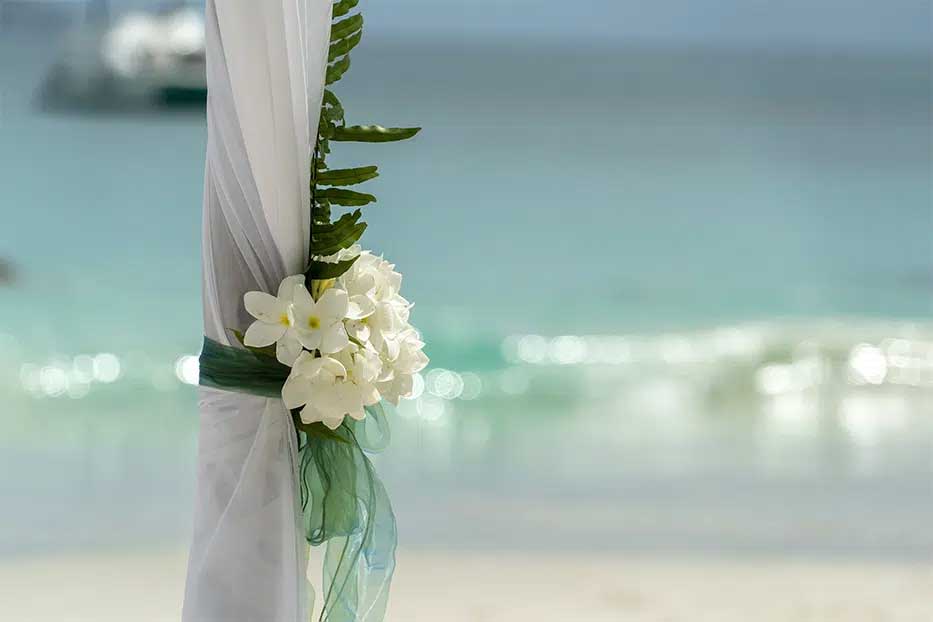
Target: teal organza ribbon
x=345, y=506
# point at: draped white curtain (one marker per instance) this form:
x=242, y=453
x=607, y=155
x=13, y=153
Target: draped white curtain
x=265, y=72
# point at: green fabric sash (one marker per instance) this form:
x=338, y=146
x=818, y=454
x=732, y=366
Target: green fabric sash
x=345, y=506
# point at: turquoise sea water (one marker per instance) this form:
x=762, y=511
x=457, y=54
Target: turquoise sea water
x=675, y=300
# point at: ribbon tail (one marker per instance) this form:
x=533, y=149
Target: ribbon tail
x=346, y=507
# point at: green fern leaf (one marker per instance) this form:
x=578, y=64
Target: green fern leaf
x=343, y=224
x=345, y=27
x=322, y=270
x=348, y=198
x=343, y=46
x=372, y=133
x=336, y=70
x=331, y=237
x=330, y=245
x=347, y=176
x=343, y=7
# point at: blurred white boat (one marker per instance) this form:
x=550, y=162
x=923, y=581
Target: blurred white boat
x=140, y=56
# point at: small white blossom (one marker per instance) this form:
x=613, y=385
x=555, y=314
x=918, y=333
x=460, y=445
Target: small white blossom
x=402, y=358
x=386, y=281
x=319, y=324
x=315, y=386
x=363, y=366
x=274, y=320
x=360, y=291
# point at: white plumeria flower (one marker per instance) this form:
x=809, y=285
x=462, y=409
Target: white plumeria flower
x=387, y=280
x=388, y=319
x=274, y=320
x=327, y=388
x=402, y=355
x=363, y=367
x=397, y=388
x=378, y=311
x=315, y=386
x=360, y=292
x=319, y=324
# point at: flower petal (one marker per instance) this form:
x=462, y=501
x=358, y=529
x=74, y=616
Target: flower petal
x=361, y=285
x=360, y=306
x=358, y=330
x=328, y=404
x=288, y=349
x=311, y=339
x=412, y=362
x=369, y=395
x=260, y=334
x=302, y=300
x=307, y=367
x=333, y=422
x=287, y=287
x=310, y=414
x=296, y=392
x=333, y=304
x=391, y=347
x=265, y=307
x=333, y=338
x=404, y=385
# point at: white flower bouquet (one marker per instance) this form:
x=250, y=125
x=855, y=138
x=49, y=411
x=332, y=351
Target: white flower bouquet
x=348, y=341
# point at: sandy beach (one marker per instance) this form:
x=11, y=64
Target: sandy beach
x=513, y=587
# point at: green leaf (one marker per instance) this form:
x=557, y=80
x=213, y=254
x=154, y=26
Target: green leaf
x=336, y=70
x=347, y=176
x=322, y=270
x=326, y=127
x=343, y=7
x=331, y=115
x=347, y=198
x=268, y=351
x=331, y=107
x=373, y=133
x=345, y=27
x=343, y=46
x=327, y=239
x=343, y=225
x=332, y=245
x=329, y=99
x=320, y=213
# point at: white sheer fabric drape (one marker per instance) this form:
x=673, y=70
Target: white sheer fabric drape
x=265, y=72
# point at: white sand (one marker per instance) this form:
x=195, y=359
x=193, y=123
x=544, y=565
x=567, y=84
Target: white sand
x=513, y=587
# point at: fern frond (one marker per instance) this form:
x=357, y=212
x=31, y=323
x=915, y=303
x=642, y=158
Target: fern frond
x=345, y=27
x=343, y=7
x=336, y=70
x=343, y=46
x=347, y=198
x=347, y=176
x=372, y=133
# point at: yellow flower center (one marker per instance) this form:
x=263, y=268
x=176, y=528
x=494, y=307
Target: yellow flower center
x=283, y=319
x=314, y=322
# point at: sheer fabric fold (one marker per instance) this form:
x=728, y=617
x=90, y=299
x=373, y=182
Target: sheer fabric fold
x=265, y=73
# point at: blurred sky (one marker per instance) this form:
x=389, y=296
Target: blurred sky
x=842, y=25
